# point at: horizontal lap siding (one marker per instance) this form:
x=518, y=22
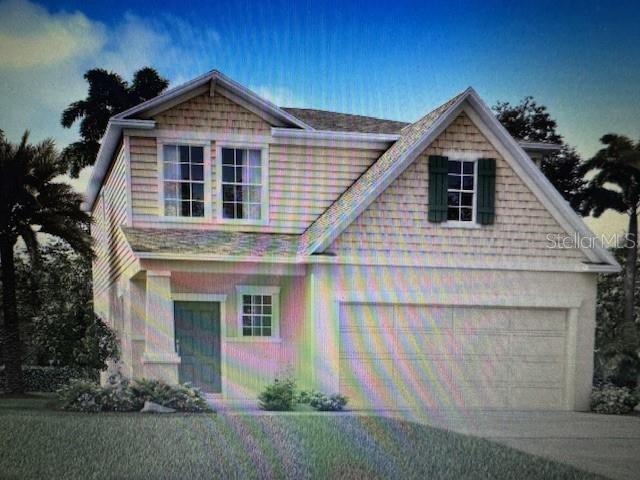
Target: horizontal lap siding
x=303, y=180
x=396, y=222
x=144, y=175
x=113, y=255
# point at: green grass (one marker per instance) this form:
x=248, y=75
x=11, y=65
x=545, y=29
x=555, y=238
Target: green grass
x=37, y=441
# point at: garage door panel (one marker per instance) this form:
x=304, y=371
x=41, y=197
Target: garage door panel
x=366, y=370
x=375, y=396
x=364, y=316
x=367, y=343
x=485, y=370
x=547, y=372
x=540, y=320
x=480, y=396
x=471, y=319
x=485, y=344
x=416, y=317
x=537, y=345
x=539, y=398
x=421, y=343
x=427, y=396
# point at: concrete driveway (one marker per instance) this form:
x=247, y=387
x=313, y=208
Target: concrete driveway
x=608, y=445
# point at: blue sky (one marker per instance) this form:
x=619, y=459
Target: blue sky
x=581, y=59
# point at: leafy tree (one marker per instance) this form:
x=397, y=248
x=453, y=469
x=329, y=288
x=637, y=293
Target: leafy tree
x=108, y=95
x=61, y=326
x=617, y=356
x=531, y=122
x=29, y=197
x=528, y=121
x=616, y=186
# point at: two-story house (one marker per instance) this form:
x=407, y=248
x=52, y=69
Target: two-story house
x=404, y=265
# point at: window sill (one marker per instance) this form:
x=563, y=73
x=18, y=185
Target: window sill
x=461, y=225
x=170, y=219
x=253, y=339
x=255, y=223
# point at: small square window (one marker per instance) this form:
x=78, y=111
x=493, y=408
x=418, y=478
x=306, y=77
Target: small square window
x=258, y=315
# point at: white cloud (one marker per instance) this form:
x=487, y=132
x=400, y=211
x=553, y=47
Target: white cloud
x=44, y=55
x=282, y=97
x=31, y=37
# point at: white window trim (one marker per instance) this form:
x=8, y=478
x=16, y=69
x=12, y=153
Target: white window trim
x=206, y=156
x=465, y=157
x=275, y=311
x=264, y=158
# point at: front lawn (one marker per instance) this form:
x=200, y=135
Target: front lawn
x=38, y=442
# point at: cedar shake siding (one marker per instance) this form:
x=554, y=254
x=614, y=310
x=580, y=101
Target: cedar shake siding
x=113, y=254
x=396, y=223
x=304, y=180
x=217, y=113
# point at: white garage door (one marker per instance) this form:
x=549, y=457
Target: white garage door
x=407, y=356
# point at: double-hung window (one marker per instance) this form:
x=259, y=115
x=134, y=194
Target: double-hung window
x=183, y=180
x=242, y=184
x=259, y=311
x=461, y=191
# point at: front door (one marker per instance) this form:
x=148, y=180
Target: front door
x=197, y=327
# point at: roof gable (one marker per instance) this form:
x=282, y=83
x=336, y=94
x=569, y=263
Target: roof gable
x=415, y=138
x=212, y=82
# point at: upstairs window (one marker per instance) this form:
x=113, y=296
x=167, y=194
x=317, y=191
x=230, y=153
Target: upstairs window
x=183, y=180
x=242, y=184
x=461, y=191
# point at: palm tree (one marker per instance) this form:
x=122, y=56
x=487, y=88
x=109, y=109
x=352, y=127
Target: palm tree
x=108, y=95
x=30, y=197
x=616, y=166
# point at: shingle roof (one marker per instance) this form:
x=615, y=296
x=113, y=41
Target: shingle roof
x=343, y=207
x=345, y=122
x=210, y=242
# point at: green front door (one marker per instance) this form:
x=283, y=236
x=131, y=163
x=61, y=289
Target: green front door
x=197, y=327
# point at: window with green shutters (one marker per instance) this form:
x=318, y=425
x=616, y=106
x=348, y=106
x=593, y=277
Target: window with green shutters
x=461, y=190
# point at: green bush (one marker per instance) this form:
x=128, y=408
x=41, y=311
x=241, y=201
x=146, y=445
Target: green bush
x=118, y=395
x=279, y=396
x=327, y=403
x=179, y=397
x=81, y=396
x=608, y=398
x=50, y=379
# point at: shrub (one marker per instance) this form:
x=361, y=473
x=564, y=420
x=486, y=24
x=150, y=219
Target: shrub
x=607, y=398
x=118, y=395
x=179, y=397
x=304, y=396
x=327, y=403
x=50, y=379
x=81, y=396
x=279, y=396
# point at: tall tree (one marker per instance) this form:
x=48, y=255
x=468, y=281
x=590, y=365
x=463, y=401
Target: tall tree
x=30, y=197
x=616, y=186
x=108, y=95
x=531, y=122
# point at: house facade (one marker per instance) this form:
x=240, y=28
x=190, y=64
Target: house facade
x=423, y=265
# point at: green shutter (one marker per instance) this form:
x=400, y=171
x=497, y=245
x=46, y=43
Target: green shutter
x=438, y=184
x=486, y=191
